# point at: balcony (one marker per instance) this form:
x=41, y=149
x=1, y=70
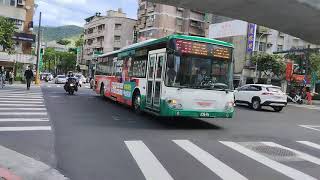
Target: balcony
x=13, y=12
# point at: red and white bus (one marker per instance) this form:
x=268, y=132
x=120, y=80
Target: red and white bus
x=178, y=75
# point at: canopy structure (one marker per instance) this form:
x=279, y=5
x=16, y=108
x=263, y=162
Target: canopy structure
x=299, y=18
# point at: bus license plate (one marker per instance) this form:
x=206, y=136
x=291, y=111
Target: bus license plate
x=204, y=114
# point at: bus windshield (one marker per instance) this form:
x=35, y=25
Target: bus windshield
x=191, y=71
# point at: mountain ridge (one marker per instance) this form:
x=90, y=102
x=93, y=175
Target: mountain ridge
x=51, y=33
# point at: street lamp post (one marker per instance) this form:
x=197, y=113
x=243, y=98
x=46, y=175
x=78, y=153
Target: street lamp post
x=258, y=49
x=38, y=53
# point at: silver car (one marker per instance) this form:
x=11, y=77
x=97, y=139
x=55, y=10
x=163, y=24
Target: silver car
x=60, y=79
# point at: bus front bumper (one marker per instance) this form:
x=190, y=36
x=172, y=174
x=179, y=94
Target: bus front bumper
x=198, y=114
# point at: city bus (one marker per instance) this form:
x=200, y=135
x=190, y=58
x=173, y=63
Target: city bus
x=174, y=76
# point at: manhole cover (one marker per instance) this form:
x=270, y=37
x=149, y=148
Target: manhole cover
x=274, y=151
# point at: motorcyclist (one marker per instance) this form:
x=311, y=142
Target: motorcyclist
x=71, y=78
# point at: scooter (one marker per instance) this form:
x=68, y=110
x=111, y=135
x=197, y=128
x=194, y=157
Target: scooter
x=71, y=86
x=295, y=99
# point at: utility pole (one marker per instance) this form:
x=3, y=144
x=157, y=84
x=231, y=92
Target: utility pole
x=38, y=53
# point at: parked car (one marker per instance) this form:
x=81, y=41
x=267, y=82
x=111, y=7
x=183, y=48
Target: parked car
x=258, y=95
x=60, y=79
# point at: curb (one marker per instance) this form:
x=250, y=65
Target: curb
x=7, y=175
x=25, y=167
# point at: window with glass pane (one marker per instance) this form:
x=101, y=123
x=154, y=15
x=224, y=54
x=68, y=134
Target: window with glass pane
x=160, y=64
x=151, y=66
x=157, y=93
x=198, y=72
x=12, y=2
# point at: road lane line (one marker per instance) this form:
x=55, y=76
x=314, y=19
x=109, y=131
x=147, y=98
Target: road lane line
x=302, y=155
x=311, y=127
x=21, y=93
x=23, y=113
x=24, y=120
x=26, y=128
x=23, y=109
x=150, y=166
x=21, y=105
x=22, y=96
x=311, y=144
x=25, y=99
x=23, y=102
x=281, y=168
x=219, y=168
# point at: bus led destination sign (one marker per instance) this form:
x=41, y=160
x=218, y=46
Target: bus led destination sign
x=203, y=49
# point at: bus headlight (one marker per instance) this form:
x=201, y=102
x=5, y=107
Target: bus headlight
x=174, y=104
x=229, y=106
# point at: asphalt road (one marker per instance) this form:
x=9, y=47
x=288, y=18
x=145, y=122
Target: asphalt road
x=98, y=139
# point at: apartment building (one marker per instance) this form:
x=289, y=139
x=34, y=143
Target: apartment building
x=107, y=33
x=266, y=40
x=21, y=13
x=158, y=20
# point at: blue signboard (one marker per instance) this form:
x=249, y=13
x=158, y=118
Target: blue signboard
x=251, y=37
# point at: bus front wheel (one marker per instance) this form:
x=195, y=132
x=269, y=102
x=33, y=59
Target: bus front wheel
x=137, y=103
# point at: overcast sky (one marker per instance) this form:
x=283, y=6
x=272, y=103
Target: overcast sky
x=73, y=12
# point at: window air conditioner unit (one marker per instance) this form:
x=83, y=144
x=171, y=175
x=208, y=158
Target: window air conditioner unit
x=21, y=2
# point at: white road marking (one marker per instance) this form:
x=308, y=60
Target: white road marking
x=26, y=128
x=22, y=113
x=302, y=155
x=311, y=144
x=215, y=165
x=25, y=99
x=24, y=120
x=313, y=127
x=147, y=162
x=281, y=168
x=58, y=86
x=22, y=102
x=21, y=96
x=49, y=86
x=21, y=105
x=23, y=109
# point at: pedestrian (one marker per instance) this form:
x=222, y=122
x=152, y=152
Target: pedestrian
x=11, y=76
x=309, y=96
x=2, y=76
x=28, y=74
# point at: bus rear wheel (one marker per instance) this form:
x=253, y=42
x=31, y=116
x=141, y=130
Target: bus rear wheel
x=137, y=103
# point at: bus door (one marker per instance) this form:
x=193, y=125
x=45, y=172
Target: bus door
x=156, y=61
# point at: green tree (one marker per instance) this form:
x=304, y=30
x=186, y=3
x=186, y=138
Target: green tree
x=79, y=42
x=67, y=61
x=269, y=65
x=7, y=30
x=49, y=58
x=315, y=63
x=64, y=42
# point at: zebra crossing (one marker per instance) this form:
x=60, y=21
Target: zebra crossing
x=264, y=153
x=22, y=110
x=87, y=86
x=311, y=107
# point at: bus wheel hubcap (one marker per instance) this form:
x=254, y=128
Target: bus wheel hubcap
x=137, y=102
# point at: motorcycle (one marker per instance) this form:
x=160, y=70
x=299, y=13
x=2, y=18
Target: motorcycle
x=71, y=86
x=295, y=98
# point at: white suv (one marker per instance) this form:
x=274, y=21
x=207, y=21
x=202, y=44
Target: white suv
x=257, y=95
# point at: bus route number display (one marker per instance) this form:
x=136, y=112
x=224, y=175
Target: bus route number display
x=203, y=49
